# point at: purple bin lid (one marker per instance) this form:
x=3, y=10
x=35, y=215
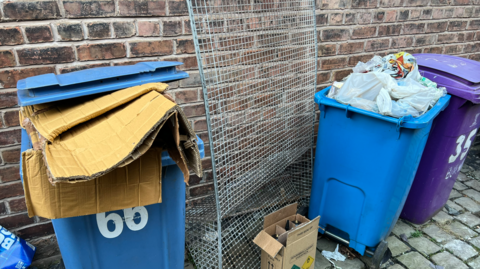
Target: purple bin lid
x=460, y=76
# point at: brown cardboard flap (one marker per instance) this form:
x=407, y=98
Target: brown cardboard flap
x=137, y=184
x=280, y=214
x=301, y=252
x=52, y=119
x=268, y=243
x=100, y=145
x=302, y=231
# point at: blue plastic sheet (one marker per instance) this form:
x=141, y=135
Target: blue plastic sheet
x=15, y=253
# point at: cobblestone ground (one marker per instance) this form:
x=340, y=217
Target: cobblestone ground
x=451, y=240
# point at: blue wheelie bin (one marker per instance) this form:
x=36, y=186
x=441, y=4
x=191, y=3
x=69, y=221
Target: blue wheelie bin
x=155, y=235
x=365, y=164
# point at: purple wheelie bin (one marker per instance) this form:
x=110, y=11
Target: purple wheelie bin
x=451, y=136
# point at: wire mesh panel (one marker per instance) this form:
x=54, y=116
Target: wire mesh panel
x=257, y=61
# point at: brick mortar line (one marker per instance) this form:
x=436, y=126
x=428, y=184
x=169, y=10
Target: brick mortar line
x=6, y=24
x=30, y=225
x=94, y=41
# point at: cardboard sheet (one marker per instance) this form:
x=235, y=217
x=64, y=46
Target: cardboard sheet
x=137, y=184
x=98, y=146
x=52, y=119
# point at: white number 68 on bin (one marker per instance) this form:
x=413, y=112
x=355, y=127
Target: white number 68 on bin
x=129, y=213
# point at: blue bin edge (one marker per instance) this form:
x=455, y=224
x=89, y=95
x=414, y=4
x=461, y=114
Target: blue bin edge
x=406, y=122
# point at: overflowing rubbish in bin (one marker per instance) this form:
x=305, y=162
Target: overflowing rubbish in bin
x=106, y=155
x=361, y=181
x=390, y=86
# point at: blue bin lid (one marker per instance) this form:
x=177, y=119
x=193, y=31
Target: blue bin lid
x=50, y=87
x=406, y=122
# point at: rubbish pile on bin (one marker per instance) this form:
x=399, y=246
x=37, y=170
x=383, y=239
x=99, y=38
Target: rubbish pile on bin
x=110, y=146
x=391, y=86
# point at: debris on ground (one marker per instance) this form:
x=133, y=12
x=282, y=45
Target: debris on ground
x=404, y=238
x=452, y=211
x=348, y=252
x=337, y=256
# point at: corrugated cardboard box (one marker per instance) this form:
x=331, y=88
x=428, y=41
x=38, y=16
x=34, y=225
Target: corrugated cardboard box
x=137, y=184
x=103, y=153
x=87, y=138
x=294, y=248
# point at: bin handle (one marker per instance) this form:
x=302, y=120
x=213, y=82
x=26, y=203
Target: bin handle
x=348, y=114
x=399, y=126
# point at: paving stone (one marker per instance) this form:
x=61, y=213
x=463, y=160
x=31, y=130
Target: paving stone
x=475, y=195
x=438, y=234
x=475, y=263
x=321, y=262
x=396, y=266
x=325, y=244
x=466, y=168
x=476, y=174
x=461, y=249
x=424, y=245
x=462, y=177
x=448, y=261
x=469, y=219
x=461, y=230
x=350, y=264
x=475, y=184
x=414, y=260
x=396, y=246
x=402, y=228
x=416, y=226
x=442, y=217
x=468, y=203
x=455, y=206
x=454, y=194
x=459, y=186
x=475, y=241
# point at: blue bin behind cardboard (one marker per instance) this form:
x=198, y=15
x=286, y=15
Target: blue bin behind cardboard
x=365, y=164
x=156, y=235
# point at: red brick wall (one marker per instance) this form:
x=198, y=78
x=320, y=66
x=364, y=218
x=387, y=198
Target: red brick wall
x=62, y=36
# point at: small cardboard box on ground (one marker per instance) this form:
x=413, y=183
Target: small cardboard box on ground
x=295, y=248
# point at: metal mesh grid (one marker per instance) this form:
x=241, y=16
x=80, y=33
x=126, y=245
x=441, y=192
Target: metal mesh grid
x=257, y=61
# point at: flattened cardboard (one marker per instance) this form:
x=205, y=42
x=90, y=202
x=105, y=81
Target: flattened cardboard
x=92, y=144
x=137, y=184
x=52, y=119
x=98, y=146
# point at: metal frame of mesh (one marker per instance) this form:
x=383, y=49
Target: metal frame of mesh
x=258, y=66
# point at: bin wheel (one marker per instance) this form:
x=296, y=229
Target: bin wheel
x=379, y=256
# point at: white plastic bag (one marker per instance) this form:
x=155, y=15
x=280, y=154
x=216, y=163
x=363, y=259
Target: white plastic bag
x=423, y=100
x=384, y=102
x=402, y=109
x=405, y=88
x=374, y=65
x=361, y=85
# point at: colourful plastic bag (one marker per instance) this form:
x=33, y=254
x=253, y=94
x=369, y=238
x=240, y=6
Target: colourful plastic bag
x=15, y=253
